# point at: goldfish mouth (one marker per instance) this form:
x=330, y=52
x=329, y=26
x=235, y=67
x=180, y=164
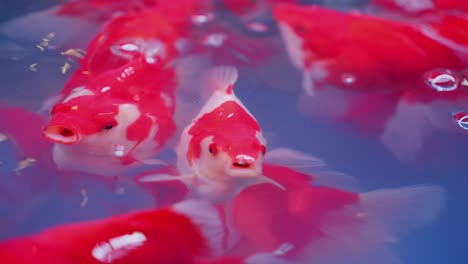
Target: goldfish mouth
x=241, y=164
x=61, y=134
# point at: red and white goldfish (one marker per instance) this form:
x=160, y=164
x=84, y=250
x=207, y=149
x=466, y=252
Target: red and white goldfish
x=122, y=117
x=421, y=6
x=349, y=57
x=118, y=107
x=400, y=97
x=177, y=234
x=322, y=223
x=222, y=150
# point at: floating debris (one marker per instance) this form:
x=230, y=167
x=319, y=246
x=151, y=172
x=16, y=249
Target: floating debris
x=3, y=137
x=85, y=198
x=21, y=165
x=79, y=53
x=46, y=41
x=40, y=47
x=65, y=67
x=464, y=82
x=33, y=67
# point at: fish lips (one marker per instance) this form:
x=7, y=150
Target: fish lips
x=60, y=133
x=244, y=166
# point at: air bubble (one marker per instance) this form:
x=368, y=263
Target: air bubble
x=119, y=150
x=202, y=18
x=348, y=78
x=257, y=27
x=214, y=40
x=461, y=118
x=441, y=80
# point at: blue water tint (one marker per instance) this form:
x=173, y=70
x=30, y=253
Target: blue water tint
x=47, y=202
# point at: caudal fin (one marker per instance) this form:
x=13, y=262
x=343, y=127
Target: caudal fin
x=381, y=219
x=271, y=257
x=208, y=218
x=315, y=167
x=220, y=78
x=404, y=210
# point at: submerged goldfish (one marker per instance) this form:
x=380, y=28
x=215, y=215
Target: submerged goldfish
x=420, y=6
x=401, y=97
x=322, y=223
x=221, y=151
x=176, y=234
x=348, y=55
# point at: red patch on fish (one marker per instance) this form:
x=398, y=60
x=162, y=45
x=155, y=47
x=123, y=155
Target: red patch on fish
x=228, y=123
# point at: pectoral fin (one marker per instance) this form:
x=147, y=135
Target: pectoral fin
x=164, y=177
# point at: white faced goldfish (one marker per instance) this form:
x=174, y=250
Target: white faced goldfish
x=117, y=109
x=122, y=117
x=222, y=150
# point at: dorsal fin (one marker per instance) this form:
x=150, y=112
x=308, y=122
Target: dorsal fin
x=221, y=78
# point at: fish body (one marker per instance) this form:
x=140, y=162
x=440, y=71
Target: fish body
x=422, y=6
x=399, y=98
x=350, y=57
x=319, y=222
x=175, y=234
x=221, y=150
x=122, y=117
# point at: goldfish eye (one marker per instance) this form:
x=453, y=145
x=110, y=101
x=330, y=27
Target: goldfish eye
x=109, y=126
x=213, y=150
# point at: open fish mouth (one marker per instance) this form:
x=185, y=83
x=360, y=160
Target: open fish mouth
x=61, y=134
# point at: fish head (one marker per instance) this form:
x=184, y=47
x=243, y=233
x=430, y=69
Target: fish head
x=226, y=145
x=93, y=123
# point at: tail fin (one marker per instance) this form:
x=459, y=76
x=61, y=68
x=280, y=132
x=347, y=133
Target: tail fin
x=380, y=220
x=220, y=78
x=312, y=166
x=208, y=218
x=271, y=257
x=405, y=209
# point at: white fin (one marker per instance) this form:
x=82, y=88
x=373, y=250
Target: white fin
x=308, y=164
x=220, y=78
x=271, y=258
x=408, y=129
x=189, y=95
x=266, y=258
x=208, y=218
x=264, y=179
x=406, y=209
x=381, y=218
x=292, y=159
x=164, y=177
x=293, y=45
x=308, y=84
x=48, y=104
